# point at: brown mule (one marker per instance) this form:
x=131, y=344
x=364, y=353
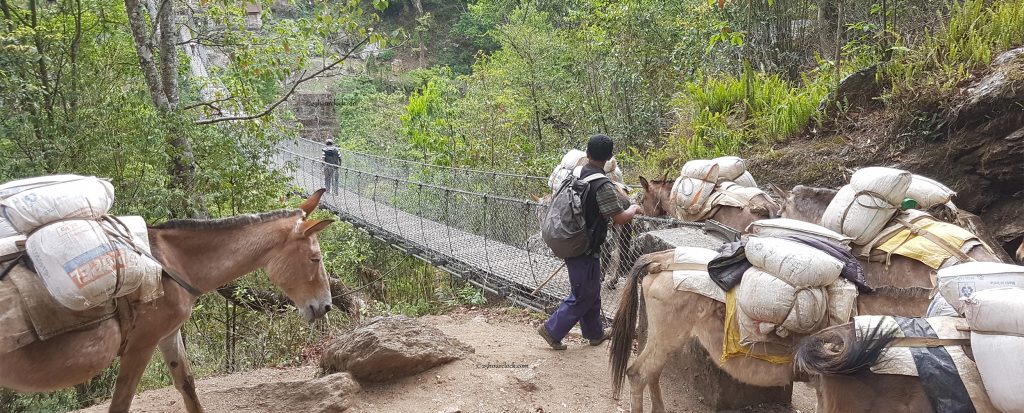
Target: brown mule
x=206, y=255
x=655, y=201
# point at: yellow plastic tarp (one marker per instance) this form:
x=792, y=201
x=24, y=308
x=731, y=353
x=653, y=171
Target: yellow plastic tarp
x=922, y=249
x=731, y=346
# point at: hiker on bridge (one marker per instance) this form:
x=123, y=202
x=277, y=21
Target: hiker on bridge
x=331, y=160
x=600, y=205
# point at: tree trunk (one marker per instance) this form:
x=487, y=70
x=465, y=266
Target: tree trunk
x=137, y=23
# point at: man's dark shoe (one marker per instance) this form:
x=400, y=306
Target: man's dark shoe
x=557, y=345
x=597, y=341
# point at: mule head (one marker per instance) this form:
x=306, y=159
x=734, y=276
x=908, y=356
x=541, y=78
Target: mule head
x=297, y=265
x=654, y=199
x=805, y=203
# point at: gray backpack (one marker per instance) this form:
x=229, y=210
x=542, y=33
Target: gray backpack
x=564, y=228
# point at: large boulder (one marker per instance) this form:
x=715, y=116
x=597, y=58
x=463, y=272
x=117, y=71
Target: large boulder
x=387, y=348
x=328, y=394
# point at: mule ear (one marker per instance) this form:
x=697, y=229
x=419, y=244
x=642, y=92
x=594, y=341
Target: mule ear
x=664, y=177
x=783, y=194
x=310, y=204
x=310, y=228
x=534, y=198
x=645, y=184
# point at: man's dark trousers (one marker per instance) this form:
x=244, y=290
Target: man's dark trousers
x=583, y=305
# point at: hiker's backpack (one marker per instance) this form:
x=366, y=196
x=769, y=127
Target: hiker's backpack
x=332, y=156
x=564, y=228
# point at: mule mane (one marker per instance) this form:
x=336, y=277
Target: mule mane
x=228, y=223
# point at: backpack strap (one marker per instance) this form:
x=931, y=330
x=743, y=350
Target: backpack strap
x=591, y=178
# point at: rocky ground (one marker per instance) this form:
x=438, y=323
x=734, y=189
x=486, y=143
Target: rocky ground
x=510, y=370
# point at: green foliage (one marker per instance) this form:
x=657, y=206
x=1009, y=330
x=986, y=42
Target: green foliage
x=977, y=30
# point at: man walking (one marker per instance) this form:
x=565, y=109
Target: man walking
x=583, y=305
x=331, y=160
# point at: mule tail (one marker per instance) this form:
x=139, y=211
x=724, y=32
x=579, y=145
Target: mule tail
x=838, y=350
x=624, y=326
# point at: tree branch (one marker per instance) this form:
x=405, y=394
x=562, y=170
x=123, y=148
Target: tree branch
x=209, y=104
x=284, y=98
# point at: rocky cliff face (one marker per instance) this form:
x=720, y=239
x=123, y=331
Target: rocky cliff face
x=974, y=144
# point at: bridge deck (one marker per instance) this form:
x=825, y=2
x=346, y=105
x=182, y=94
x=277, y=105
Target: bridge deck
x=495, y=265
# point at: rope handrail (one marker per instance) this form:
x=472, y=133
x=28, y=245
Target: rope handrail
x=409, y=161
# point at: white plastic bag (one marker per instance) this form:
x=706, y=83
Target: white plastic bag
x=746, y=179
x=963, y=280
x=1000, y=360
x=79, y=264
x=797, y=264
x=928, y=192
x=785, y=226
x=889, y=183
x=6, y=230
x=860, y=217
x=997, y=310
x=31, y=208
x=702, y=169
x=730, y=168
x=691, y=194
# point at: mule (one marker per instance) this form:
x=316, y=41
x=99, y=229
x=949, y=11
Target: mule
x=204, y=254
x=668, y=319
x=655, y=201
x=671, y=317
x=845, y=382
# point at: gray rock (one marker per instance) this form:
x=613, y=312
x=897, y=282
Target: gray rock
x=387, y=348
x=328, y=394
x=661, y=240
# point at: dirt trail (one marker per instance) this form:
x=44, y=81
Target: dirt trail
x=511, y=371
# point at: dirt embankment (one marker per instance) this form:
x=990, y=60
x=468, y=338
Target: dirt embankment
x=973, y=142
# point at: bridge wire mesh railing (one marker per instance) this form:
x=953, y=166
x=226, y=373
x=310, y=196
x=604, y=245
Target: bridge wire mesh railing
x=471, y=224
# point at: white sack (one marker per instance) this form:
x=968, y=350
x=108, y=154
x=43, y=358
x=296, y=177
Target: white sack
x=866, y=217
x=695, y=255
x=88, y=197
x=889, y=183
x=691, y=194
x=1000, y=361
x=997, y=310
x=14, y=187
x=572, y=159
x=6, y=230
x=78, y=263
x=765, y=298
x=963, y=280
x=703, y=169
x=928, y=192
x=9, y=245
x=796, y=263
x=842, y=301
x=730, y=168
x=785, y=226
x=746, y=180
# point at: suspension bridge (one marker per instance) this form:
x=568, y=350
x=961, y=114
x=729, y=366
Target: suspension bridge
x=473, y=224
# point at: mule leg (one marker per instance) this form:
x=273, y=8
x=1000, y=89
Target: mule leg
x=657, y=402
x=133, y=364
x=181, y=370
